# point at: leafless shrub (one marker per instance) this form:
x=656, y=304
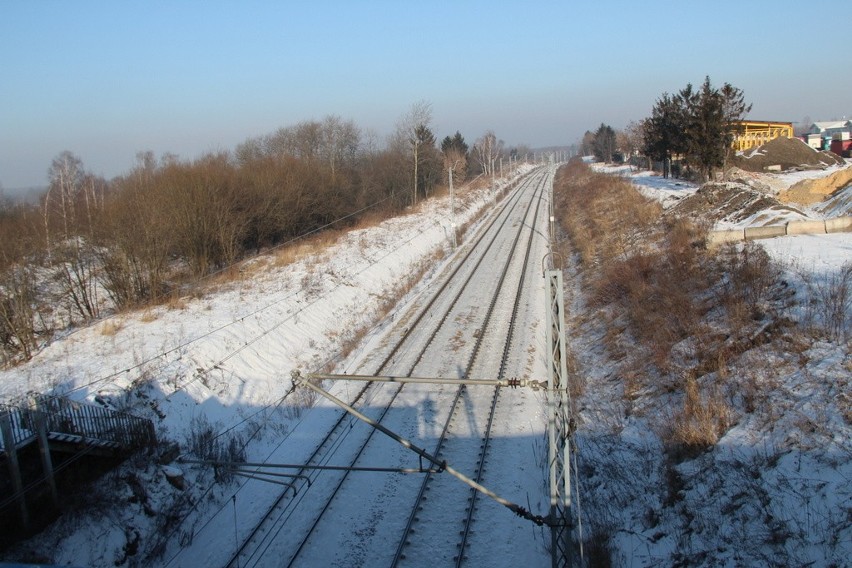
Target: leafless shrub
x=750, y=277
x=655, y=299
x=206, y=444
x=702, y=420
x=302, y=399
x=829, y=303
x=597, y=548
x=18, y=300
x=76, y=270
x=312, y=282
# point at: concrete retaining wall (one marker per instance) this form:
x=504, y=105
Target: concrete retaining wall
x=837, y=225
x=716, y=238
x=765, y=232
x=805, y=227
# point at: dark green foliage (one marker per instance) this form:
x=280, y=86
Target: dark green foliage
x=664, y=131
x=696, y=125
x=456, y=144
x=603, y=144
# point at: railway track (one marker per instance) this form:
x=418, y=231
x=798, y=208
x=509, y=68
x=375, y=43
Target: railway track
x=285, y=535
x=466, y=444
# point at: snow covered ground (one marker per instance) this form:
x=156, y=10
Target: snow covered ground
x=776, y=491
x=219, y=365
x=777, y=488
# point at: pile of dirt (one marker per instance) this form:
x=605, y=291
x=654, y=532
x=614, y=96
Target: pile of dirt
x=731, y=202
x=788, y=153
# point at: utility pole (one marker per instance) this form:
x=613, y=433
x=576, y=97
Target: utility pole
x=452, y=208
x=560, y=427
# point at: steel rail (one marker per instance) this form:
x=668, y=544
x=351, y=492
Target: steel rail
x=399, y=555
x=506, y=350
x=234, y=560
x=505, y=213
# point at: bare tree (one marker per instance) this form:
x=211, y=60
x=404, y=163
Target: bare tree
x=417, y=119
x=629, y=141
x=73, y=253
x=66, y=178
x=17, y=312
x=486, y=150
x=339, y=142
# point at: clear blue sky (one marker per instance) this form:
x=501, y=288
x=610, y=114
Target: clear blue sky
x=107, y=79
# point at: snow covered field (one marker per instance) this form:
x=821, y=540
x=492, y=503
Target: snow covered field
x=775, y=491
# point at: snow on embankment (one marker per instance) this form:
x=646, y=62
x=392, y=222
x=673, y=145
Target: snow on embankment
x=237, y=345
x=774, y=488
x=219, y=364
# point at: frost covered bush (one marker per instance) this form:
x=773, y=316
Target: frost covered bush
x=828, y=303
x=206, y=444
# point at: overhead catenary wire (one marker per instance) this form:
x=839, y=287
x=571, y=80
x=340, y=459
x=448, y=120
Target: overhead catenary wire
x=372, y=263
x=230, y=355
x=388, y=359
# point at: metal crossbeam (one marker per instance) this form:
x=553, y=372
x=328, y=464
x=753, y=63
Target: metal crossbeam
x=440, y=464
x=511, y=383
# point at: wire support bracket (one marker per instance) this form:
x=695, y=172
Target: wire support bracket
x=441, y=464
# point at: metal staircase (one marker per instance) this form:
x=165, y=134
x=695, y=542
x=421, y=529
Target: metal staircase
x=58, y=426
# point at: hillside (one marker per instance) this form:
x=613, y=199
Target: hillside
x=219, y=364
x=773, y=485
x=716, y=425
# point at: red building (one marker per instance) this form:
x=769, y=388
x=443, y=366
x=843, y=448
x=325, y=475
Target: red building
x=842, y=147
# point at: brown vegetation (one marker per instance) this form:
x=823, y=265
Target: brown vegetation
x=147, y=237
x=676, y=311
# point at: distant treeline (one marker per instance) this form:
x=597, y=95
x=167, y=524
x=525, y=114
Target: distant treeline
x=89, y=242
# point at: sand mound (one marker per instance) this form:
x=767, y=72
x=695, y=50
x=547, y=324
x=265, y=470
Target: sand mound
x=788, y=153
x=811, y=191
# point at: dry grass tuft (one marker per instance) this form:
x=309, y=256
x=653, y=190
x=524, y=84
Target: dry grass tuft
x=176, y=302
x=303, y=248
x=148, y=316
x=111, y=327
x=702, y=420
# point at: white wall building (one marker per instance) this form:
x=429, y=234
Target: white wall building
x=819, y=135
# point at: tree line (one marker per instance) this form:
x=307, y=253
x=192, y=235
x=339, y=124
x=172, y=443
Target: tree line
x=689, y=132
x=92, y=243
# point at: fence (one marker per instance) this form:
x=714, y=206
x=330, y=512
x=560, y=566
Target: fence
x=82, y=421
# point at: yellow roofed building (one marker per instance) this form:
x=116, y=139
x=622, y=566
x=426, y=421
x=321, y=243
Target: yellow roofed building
x=751, y=133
